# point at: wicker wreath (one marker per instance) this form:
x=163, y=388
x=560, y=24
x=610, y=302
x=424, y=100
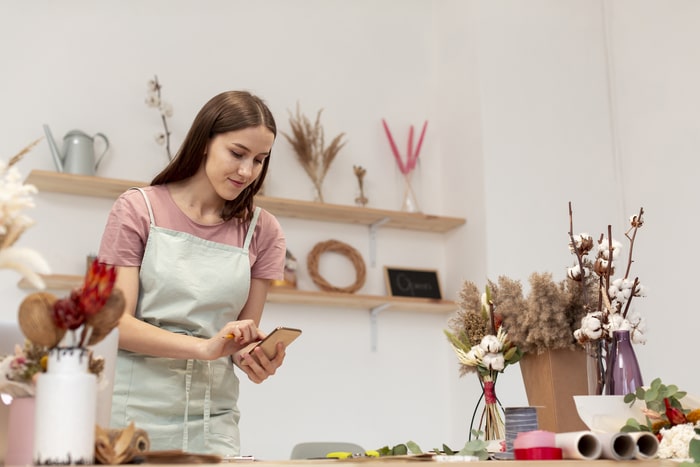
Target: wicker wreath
x=343, y=249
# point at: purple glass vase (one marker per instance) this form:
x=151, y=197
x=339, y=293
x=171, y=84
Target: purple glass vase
x=622, y=374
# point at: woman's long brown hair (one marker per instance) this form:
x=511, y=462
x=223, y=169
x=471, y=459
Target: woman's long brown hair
x=228, y=111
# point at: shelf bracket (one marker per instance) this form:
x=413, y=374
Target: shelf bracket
x=373, y=228
x=373, y=313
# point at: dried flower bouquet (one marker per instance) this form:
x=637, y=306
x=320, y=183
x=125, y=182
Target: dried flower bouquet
x=309, y=144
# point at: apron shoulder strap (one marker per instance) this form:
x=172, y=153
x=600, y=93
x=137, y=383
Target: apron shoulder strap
x=148, y=205
x=251, y=228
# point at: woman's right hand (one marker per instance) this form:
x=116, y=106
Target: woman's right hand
x=231, y=338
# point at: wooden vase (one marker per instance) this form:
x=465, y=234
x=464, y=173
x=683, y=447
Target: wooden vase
x=551, y=380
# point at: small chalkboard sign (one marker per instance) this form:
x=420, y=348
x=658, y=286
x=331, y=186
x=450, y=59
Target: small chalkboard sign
x=422, y=283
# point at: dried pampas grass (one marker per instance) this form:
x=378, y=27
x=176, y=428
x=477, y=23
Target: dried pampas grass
x=308, y=141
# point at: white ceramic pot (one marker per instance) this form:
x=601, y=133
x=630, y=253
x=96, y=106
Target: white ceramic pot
x=66, y=400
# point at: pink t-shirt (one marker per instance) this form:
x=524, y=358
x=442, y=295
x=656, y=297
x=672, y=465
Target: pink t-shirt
x=128, y=225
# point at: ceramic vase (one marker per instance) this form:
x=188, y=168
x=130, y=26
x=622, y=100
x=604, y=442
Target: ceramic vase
x=66, y=401
x=20, y=438
x=622, y=373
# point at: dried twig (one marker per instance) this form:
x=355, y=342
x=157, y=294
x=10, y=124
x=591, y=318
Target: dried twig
x=360, y=173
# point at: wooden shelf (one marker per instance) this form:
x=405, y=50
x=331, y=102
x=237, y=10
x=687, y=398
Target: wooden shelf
x=300, y=297
x=85, y=185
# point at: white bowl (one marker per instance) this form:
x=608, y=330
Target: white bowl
x=607, y=414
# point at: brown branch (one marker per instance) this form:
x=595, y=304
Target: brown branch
x=634, y=229
x=629, y=300
x=579, y=258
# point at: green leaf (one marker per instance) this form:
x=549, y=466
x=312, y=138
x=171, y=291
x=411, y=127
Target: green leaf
x=475, y=447
x=399, y=450
x=656, y=383
x=629, y=398
x=414, y=448
x=447, y=450
x=640, y=393
x=461, y=342
x=514, y=357
x=694, y=449
x=632, y=424
x=651, y=394
x=384, y=451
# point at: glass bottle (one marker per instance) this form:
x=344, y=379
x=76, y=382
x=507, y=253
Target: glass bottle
x=623, y=374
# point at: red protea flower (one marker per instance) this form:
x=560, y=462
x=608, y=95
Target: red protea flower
x=67, y=313
x=99, y=282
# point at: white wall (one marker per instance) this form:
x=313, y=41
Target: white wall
x=521, y=122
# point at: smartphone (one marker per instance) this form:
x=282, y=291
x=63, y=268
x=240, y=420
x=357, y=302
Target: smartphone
x=269, y=344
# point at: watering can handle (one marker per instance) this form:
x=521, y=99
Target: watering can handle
x=99, y=158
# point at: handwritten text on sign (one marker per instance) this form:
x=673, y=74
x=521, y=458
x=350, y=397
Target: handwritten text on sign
x=412, y=283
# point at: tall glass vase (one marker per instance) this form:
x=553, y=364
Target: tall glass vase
x=595, y=367
x=623, y=375
x=490, y=420
x=410, y=201
x=65, y=412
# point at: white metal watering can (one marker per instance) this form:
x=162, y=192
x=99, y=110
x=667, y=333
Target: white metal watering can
x=78, y=155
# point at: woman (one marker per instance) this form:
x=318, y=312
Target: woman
x=194, y=259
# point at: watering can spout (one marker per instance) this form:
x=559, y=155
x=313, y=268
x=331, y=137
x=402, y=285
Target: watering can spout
x=55, y=152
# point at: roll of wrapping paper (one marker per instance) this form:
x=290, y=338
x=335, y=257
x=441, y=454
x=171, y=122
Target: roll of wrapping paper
x=617, y=446
x=579, y=445
x=647, y=444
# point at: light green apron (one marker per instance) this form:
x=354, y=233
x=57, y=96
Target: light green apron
x=191, y=286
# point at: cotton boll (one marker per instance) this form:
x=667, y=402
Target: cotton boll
x=640, y=291
x=491, y=343
x=638, y=337
x=478, y=352
x=494, y=361
x=152, y=100
x=574, y=272
x=617, y=323
x=591, y=326
x=583, y=243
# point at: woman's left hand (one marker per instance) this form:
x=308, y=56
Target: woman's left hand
x=256, y=364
